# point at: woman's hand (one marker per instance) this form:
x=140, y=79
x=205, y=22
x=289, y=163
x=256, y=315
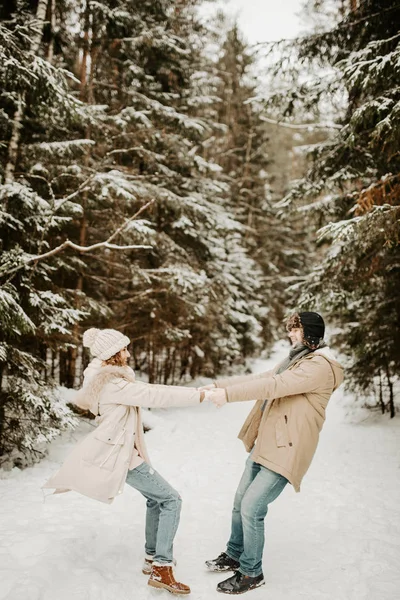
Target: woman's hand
x=204, y=388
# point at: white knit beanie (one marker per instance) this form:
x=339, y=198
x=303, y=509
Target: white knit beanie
x=104, y=343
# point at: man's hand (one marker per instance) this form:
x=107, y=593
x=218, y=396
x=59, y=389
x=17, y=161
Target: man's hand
x=218, y=397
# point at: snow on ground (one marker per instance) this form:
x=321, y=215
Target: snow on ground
x=336, y=540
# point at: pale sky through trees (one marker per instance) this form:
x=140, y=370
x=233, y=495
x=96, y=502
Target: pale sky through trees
x=263, y=20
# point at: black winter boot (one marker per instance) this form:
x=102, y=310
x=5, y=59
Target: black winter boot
x=222, y=563
x=239, y=583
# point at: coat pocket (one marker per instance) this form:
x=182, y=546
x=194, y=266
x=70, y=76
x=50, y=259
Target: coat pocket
x=105, y=448
x=111, y=437
x=282, y=432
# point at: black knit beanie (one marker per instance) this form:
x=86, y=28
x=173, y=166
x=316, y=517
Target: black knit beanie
x=313, y=327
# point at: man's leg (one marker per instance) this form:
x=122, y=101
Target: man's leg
x=264, y=489
x=163, y=511
x=229, y=560
x=234, y=546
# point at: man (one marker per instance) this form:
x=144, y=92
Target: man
x=281, y=433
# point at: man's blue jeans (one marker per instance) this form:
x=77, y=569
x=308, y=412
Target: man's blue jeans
x=258, y=487
x=163, y=511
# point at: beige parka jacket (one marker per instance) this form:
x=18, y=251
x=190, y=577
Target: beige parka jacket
x=285, y=434
x=97, y=467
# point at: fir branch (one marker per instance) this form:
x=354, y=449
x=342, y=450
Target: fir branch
x=99, y=170
x=68, y=244
x=301, y=125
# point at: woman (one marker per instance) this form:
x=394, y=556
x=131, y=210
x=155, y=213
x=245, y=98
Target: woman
x=115, y=451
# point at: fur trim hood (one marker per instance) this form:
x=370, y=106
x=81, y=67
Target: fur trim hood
x=336, y=367
x=96, y=378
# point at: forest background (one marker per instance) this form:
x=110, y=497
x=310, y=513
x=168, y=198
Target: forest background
x=160, y=176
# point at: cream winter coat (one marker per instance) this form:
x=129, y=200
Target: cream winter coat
x=97, y=467
x=285, y=435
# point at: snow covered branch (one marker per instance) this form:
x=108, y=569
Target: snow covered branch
x=100, y=245
x=302, y=125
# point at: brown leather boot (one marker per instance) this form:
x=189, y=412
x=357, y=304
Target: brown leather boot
x=163, y=577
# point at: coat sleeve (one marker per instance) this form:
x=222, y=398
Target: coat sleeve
x=229, y=381
x=148, y=395
x=308, y=376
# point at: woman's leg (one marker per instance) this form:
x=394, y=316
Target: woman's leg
x=151, y=529
x=163, y=511
x=234, y=547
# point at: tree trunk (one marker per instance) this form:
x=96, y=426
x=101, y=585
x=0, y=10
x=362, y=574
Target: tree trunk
x=2, y=416
x=86, y=95
x=381, y=402
x=150, y=361
x=50, y=51
x=56, y=366
x=245, y=177
x=13, y=145
x=174, y=364
x=78, y=366
x=166, y=366
x=85, y=53
x=2, y=411
x=40, y=17
x=63, y=368
x=391, y=396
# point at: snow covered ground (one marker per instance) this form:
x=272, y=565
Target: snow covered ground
x=339, y=539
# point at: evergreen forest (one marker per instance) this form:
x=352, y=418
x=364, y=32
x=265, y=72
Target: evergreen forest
x=161, y=176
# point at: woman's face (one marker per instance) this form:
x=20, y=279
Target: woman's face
x=125, y=355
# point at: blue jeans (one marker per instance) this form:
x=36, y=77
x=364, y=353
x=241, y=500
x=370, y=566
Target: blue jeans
x=162, y=514
x=258, y=487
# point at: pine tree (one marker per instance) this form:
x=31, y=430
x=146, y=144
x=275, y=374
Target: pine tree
x=353, y=187
x=36, y=109
x=164, y=300
x=102, y=115
x=245, y=149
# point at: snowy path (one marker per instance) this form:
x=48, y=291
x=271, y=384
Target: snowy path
x=339, y=539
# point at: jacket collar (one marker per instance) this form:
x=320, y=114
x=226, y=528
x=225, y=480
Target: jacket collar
x=88, y=396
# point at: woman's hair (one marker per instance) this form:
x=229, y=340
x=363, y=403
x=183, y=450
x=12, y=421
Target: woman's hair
x=116, y=360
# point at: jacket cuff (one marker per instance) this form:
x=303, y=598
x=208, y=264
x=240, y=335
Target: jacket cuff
x=227, y=395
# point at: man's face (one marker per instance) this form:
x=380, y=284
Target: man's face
x=296, y=335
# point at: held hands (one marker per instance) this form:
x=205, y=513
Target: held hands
x=210, y=386
x=216, y=395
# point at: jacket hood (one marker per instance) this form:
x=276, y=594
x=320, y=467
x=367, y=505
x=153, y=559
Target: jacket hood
x=95, y=377
x=337, y=368
x=96, y=367
x=91, y=370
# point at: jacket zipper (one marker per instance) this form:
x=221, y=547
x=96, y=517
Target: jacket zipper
x=287, y=430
